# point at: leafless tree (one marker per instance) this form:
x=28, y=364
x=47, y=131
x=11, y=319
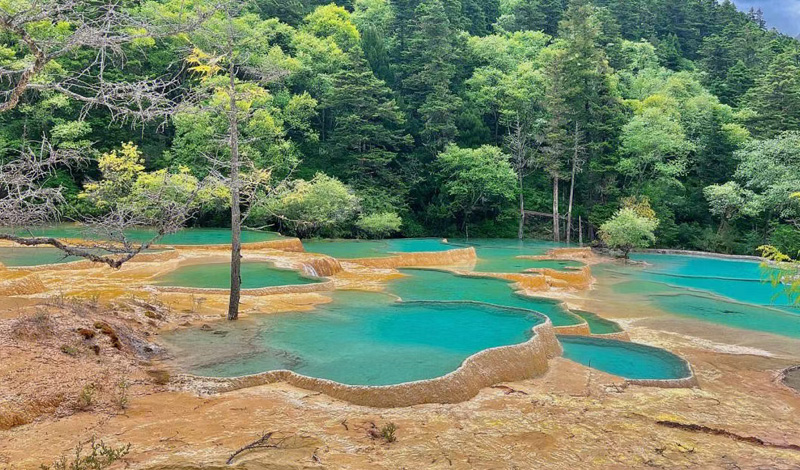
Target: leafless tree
x=26, y=201
x=104, y=30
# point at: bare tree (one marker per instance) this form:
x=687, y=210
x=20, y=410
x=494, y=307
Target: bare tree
x=107, y=28
x=26, y=201
x=577, y=162
x=521, y=145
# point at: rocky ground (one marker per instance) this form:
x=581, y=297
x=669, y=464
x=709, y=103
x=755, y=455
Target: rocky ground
x=71, y=369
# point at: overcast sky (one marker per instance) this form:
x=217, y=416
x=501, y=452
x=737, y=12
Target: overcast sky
x=781, y=14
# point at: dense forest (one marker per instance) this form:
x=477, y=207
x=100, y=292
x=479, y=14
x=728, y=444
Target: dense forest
x=492, y=118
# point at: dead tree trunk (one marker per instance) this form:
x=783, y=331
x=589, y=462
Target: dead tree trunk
x=556, y=217
x=572, y=181
x=521, y=232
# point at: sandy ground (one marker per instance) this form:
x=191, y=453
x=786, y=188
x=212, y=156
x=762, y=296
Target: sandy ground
x=742, y=416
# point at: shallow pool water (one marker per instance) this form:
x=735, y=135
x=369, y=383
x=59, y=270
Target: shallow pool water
x=424, y=284
x=727, y=292
x=371, y=339
x=598, y=325
x=735, y=279
x=352, y=249
x=359, y=339
x=218, y=276
x=625, y=359
x=14, y=256
x=187, y=236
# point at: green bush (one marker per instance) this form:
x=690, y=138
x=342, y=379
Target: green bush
x=628, y=230
x=379, y=225
x=313, y=207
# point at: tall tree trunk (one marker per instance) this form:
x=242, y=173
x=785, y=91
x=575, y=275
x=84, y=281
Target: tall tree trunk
x=236, y=215
x=556, y=216
x=521, y=232
x=580, y=231
x=572, y=182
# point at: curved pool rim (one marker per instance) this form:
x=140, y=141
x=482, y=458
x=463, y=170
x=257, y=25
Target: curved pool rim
x=320, y=284
x=689, y=381
x=485, y=368
x=580, y=323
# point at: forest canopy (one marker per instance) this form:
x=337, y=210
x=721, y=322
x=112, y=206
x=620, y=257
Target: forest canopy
x=372, y=118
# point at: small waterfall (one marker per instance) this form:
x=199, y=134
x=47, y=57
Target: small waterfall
x=309, y=270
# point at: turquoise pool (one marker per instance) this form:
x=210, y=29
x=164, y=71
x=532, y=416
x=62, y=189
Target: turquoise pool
x=370, y=339
x=218, y=276
x=188, y=236
x=734, y=279
x=726, y=292
x=17, y=257
x=352, y=249
x=628, y=360
x=598, y=325
x=423, y=284
x=358, y=339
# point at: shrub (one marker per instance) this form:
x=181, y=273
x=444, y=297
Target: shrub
x=100, y=457
x=628, y=230
x=34, y=327
x=86, y=397
x=69, y=350
x=121, y=397
x=313, y=206
x=379, y=225
x=388, y=432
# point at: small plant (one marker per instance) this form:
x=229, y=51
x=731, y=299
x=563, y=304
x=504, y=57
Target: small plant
x=100, y=457
x=34, y=327
x=121, y=398
x=86, y=397
x=388, y=432
x=159, y=376
x=197, y=303
x=69, y=350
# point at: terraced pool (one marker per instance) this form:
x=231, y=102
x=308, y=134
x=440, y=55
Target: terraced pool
x=625, y=359
x=19, y=256
x=218, y=276
x=359, y=339
x=352, y=249
x=727, y=292
x=187, y=236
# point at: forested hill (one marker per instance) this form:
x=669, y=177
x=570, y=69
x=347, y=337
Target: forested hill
x=454, y=115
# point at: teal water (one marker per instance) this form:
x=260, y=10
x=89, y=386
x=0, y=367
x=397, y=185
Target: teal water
x=36, y=256
x=422, y=284
x=359, y=339
x=725, y=292
x=598, y=325
x=188, y=236
x=739, y=315
x=628, y=360
x=517, y=265
x=12, y=256
x=217, y=276
x=743, y=281
x=352, y=249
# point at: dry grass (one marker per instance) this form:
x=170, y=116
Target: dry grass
x=33, y=327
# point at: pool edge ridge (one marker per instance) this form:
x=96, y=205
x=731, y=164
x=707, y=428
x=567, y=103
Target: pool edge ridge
x=419, y=259
x=326, y=285
x=483, y=369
